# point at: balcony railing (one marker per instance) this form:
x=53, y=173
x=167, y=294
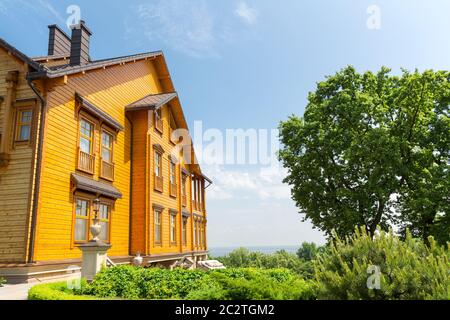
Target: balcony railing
x=107, y=170
x=184, y=200
x=173, y=189
x=159, y=183
x=86, y=162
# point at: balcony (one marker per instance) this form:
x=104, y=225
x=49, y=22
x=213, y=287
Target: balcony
x=184, y=200
x=173, y=190
x=86, y=162
x=159, y=183
x=107, y=170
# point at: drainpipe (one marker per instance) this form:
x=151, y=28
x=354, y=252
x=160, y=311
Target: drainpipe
x=131, y=185
x=37, y=178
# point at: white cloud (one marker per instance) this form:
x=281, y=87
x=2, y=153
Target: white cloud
x=186, y=26
x=247, y=14
x=40, y=7
x=265, y=184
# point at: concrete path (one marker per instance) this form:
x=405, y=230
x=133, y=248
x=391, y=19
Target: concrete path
x=15, y=291
x=20, y=291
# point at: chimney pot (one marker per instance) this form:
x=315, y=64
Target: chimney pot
x=79, y=48
x=58, y=41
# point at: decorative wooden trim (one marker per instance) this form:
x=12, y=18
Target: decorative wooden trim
x=98, y=113
x=158, y=148
x=157, y=206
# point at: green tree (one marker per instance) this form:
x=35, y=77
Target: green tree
x=373, y=149
x=308, y=251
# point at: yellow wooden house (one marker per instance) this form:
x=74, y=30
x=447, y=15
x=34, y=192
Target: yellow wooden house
x=74, y=129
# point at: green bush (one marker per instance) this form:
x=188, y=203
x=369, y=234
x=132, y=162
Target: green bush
x=122, y=282
x=228, y=284
x=56, y=291
x=260, y=284
x=244, y=258
x=2, y=282
x=154, y=283
x=408, y=269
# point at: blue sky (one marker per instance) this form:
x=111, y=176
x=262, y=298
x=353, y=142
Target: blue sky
x=248, y=64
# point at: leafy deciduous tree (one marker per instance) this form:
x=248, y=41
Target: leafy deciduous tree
x=373, y=149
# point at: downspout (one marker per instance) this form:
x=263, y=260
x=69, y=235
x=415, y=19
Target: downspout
x=37, y=178
x=131, y=185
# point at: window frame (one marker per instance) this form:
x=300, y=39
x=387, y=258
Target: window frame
x=83, y=117
x=157, y=212
x=105, y=130
x=19, y=124
x=87, y=218
x=158, y=164
x=173, y=175
x=184, y=224
x=184, y=202
x=158, y=120
x=173, y=228
x=108, y=132
x=108, y=221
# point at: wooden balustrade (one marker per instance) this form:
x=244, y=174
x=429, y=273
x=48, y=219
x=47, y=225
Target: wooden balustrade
x=86, y=162
x=107, y=170
x=173, y=189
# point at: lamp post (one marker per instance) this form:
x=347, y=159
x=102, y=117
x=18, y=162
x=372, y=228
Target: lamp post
x=95, y=251
x=96, y=227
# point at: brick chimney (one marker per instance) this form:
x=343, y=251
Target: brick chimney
x=58, y=41
x=79, y=47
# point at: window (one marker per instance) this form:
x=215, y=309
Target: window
x=158, y=169
x=173, y=229
x=173, y=178
x=184, y=231
x=107, y=144
x=104, y=217
x=81, y=220
x=86, y=136
x=86, y=158
x=201, y=234
x=195, y=232
x=23, y=124
x=107, y=166
x=158, y=216
x=183, y=191
x=158, y=120
x=158, y=172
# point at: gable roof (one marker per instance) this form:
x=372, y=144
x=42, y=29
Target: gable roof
x=67, y=69
x=19, y=55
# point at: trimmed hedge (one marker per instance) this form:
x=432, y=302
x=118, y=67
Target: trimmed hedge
x=55, y=291
x=2, y=282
